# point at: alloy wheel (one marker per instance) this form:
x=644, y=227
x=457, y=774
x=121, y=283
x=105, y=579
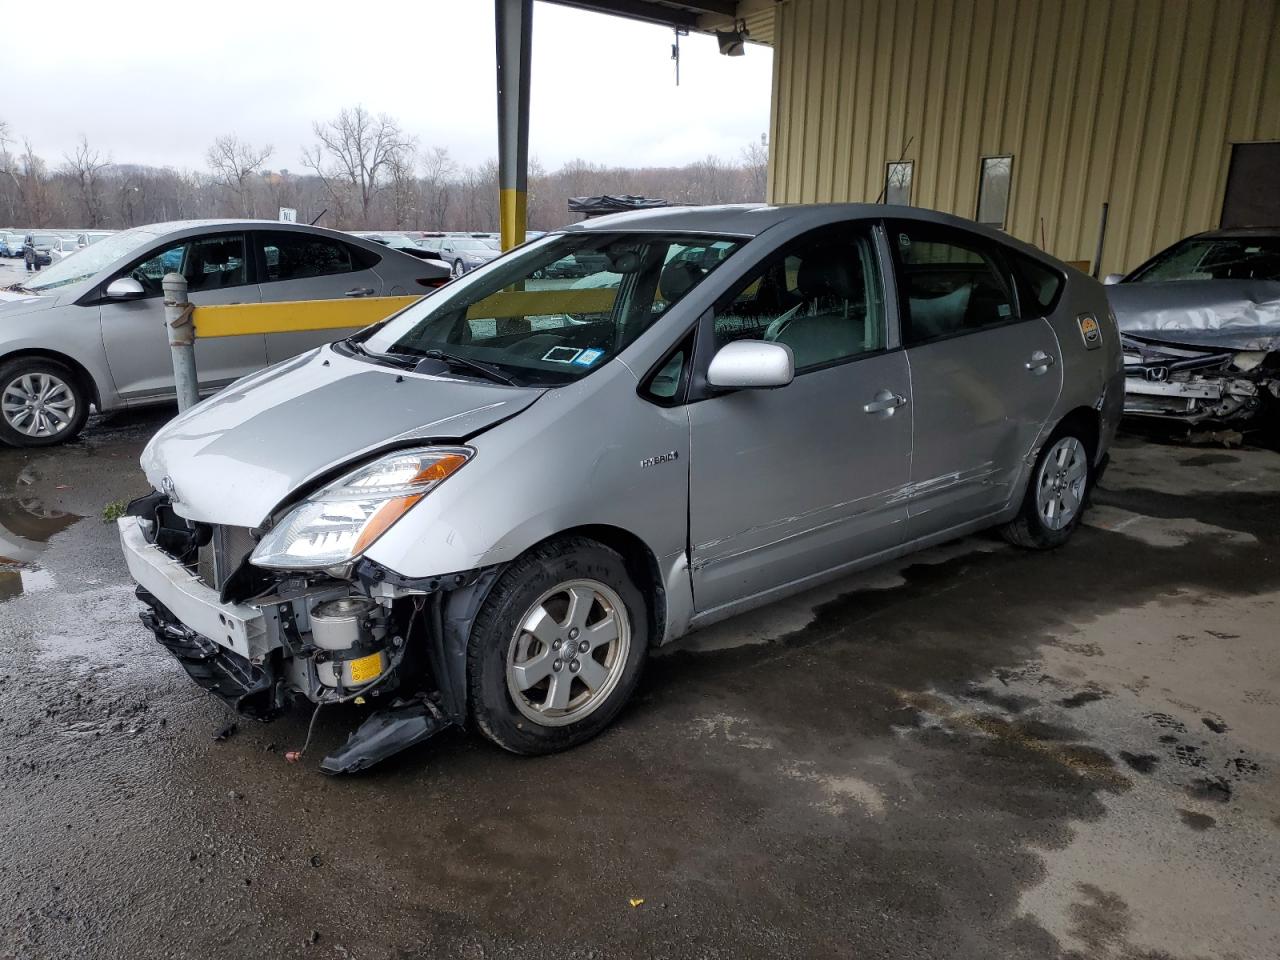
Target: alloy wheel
x=568, y=652
x=38, y=404
x=1060, y=487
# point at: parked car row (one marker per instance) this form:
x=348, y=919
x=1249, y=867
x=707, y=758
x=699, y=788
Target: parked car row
x=39, y=248
x=463, y=252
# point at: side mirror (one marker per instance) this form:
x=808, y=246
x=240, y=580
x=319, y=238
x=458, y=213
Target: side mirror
x=752, y=364
x=1112, y=278
x=125, y=288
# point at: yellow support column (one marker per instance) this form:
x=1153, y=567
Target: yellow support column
x=514, y=22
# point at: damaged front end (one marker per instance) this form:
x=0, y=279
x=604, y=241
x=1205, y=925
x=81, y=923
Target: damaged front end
x=1197, y=384
x=260, y=638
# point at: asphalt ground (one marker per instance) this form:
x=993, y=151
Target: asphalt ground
x=975, y=752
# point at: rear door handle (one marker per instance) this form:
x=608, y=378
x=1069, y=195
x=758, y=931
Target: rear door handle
x=885, y=402
x=1039, y=362
x=360, y=292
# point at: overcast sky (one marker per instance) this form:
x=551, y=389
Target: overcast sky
x=157, y=86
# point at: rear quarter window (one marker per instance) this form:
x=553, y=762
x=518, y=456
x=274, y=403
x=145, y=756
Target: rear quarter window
x=1040, y=285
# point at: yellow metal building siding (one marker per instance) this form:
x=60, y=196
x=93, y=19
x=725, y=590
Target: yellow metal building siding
x=1135, y=102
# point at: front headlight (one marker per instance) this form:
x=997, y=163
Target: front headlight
x=341, y=521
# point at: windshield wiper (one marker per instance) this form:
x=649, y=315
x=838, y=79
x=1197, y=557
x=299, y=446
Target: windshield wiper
x=391, y=360
x=468, y=364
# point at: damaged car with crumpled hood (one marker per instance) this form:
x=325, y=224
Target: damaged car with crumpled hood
x=1200, y=323
x=485, y=510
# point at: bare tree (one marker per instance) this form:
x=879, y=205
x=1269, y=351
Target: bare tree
x=755, y=161
x=354, y=154
x=86, y=167
x=438, y=170
x=235, y=163
x=406, y=205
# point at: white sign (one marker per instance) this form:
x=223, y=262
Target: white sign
x=288, y=215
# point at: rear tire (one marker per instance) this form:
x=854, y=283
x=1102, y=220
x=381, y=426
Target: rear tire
x=557, y=648
x=1056, y=494
x=42, y=402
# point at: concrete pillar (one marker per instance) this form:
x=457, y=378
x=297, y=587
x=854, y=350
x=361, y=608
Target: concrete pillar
x=514, y=20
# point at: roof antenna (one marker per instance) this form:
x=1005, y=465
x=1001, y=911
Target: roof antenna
x=675, y=50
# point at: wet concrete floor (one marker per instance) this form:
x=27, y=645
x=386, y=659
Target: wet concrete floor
x=975, y=753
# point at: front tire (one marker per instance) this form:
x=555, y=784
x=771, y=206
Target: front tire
x=42, y=403
x=1056, y=493
x=557, y=648
x=458, y=269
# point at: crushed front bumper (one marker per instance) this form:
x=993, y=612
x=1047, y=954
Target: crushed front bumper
x=1193, y=385
x=254, y=655
x=246, y=688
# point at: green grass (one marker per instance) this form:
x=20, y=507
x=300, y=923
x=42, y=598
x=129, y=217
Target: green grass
x=113, y=511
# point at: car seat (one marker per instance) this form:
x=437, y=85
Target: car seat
x=829, y=321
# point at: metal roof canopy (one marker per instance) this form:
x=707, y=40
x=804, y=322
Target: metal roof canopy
x=671, y=13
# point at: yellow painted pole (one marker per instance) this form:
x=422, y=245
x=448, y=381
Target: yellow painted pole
x=514, y=23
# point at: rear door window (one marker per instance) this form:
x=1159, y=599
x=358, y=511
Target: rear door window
x=949, y=282
x=1040, y=283
x=297, y=256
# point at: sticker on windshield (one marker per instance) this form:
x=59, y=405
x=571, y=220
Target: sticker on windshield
x=587, y=357
x=562, y=354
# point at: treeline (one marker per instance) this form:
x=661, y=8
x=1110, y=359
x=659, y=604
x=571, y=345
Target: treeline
x=362, y=172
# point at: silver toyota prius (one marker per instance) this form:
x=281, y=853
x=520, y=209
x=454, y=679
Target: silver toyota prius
x=487, y=509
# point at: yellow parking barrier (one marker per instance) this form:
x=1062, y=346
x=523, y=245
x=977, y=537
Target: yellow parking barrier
x=294, y=316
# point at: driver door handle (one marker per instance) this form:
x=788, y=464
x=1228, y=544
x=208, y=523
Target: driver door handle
x=884, y=403
x=1039, y=362
x=360, y=292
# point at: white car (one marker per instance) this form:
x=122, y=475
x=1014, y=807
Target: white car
x=63, y=247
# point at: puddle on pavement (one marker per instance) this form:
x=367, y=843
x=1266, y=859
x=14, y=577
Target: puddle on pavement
x=26, y=526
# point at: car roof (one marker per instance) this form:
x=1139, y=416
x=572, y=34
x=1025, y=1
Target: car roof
x=752, y=219
x=1228, y=233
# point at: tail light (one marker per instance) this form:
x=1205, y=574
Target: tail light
x=432, y=282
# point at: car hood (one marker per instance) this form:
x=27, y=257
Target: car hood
x=14, y=304
x=233, y=458
x=1221, y=314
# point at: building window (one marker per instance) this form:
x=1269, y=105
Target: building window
x=897, y=182
x=993, y=191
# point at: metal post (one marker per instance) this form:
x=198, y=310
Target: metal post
x=182, y=339
x=514, y=21
x=1102, y=238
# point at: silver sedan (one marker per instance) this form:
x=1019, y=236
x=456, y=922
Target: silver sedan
x=89, y=330
x=489, y=508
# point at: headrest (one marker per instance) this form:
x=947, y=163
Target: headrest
x=678, y=278
x=220, y=253
x=831, y=272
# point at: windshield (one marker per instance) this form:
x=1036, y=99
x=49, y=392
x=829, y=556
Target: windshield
x=92, y=259
x=469, y=245
x=558, y=309
x=43, y=240
x=1234, y=258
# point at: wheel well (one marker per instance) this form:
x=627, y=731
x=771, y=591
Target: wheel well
x=1089, y=422
x=86, y=379
x=642, y=565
